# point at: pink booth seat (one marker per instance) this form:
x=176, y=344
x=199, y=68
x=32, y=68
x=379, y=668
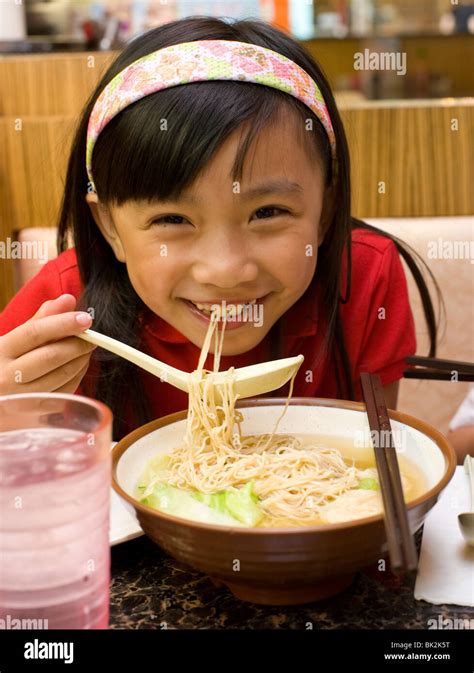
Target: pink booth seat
x=434, y=238
x=433, y=401
x=38, y=247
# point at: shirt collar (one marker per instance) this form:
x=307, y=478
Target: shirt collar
x=301, y=319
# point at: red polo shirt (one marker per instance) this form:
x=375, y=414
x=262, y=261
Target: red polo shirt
x=377, y=322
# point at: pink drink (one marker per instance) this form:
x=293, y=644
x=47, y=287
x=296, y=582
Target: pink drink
x=54, y=500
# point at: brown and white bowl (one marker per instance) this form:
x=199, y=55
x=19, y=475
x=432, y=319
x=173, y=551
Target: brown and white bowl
x=282, y=566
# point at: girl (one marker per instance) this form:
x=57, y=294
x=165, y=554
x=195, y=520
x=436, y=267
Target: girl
x=185, y=191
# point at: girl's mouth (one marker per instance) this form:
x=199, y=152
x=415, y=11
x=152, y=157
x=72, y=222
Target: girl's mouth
x=238, y=314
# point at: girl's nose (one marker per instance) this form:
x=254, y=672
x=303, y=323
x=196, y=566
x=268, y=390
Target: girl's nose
x=226, y=262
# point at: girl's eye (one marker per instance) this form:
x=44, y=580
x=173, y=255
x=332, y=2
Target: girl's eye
x=270, y=211
x=169, y=219
x=262, y=213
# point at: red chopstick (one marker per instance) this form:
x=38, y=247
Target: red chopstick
x=401, y=544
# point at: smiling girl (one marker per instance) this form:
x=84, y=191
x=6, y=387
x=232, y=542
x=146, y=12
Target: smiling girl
x=216, y=173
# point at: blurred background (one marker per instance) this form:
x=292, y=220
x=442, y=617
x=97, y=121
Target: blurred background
x=436, y=35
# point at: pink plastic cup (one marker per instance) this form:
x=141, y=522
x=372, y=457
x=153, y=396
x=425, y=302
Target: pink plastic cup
x=55, y=476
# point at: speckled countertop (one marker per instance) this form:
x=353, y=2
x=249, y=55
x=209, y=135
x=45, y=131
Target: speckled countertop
x=150, y=590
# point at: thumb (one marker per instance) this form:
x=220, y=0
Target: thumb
x=62, y=304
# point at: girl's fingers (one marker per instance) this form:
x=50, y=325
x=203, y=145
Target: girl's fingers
x=63, y=375
x=62, y=304
x=72, y=385
x=53, y=380
x=45, y=359
x=40, y=331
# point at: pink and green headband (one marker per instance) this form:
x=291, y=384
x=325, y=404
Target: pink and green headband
x=201, y=61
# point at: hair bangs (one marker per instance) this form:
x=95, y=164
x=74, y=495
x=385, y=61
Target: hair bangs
x=155, y=149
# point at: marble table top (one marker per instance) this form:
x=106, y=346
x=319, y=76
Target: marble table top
x=150, y=590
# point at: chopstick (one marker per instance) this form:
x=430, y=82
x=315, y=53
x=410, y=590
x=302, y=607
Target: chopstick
x=401, y=545
x=437, y=369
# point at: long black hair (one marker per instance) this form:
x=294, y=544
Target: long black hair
x=132, y=161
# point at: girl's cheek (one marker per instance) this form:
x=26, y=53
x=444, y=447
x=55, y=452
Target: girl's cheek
x=299, y=263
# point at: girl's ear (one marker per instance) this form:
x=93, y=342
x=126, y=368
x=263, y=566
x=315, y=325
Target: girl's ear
x=104, y=221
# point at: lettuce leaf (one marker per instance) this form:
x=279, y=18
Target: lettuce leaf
x=368, y=484
x=233, y=507
x=242, y=503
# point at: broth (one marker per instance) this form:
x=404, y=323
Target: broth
x=413, y=480
x=353, y=503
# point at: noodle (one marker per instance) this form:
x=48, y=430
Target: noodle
x=293, y=481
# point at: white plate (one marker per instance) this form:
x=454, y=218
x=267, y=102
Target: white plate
x=123, y=523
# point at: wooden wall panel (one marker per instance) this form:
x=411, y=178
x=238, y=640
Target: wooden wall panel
x=426, y=166
x=52, y=84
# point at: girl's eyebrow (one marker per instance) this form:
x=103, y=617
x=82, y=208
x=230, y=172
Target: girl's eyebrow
x=277, y=186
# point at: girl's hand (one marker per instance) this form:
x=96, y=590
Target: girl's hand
x=43, y=355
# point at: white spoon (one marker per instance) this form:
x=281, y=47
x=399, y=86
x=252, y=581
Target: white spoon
x=466, y=520
x=249, y=381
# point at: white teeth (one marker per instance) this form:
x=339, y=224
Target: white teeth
x=229, y=307
x=232, y=310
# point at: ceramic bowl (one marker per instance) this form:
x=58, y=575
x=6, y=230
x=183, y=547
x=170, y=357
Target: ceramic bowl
x=283, y=566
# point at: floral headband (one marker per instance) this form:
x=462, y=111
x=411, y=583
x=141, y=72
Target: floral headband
x=201, y=61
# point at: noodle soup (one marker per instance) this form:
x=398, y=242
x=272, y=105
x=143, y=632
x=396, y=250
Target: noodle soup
x=329, y=482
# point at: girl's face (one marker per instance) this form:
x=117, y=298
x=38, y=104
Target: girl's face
x=224, y=241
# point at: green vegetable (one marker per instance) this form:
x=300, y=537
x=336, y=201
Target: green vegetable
x=177, y=502
x=233, y=507
x=368, y=484
x=242, y=504
x=215, y=501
